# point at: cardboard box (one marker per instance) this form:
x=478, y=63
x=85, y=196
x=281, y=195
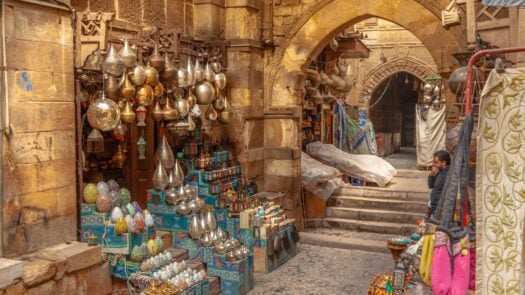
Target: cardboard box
x=90, y=215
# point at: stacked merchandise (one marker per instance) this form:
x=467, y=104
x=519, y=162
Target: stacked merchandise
x=267, y=231
x=125, y=231
x=195, y=212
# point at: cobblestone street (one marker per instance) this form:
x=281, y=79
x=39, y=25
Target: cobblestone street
x=322, y=270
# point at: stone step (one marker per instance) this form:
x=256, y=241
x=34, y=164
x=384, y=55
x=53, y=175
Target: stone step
x=377, y=203
x=360, y=225
x=411, y=173
x=418, y=194
x=373, y=215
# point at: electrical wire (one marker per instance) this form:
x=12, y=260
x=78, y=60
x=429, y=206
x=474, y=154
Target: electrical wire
x=382, y=94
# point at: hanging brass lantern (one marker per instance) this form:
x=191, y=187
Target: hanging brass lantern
x=144, y=95
x=226, y=115
x=127, y=89
x=119, y=158
x=199, y=71
x=127, y=115
x=128, y=55
x=156, y=60
x=169, y=112
x=170, y=71
x=113, y=64
x=157, y=114
x=103, y=114
x=208, y=73
x=152, y=75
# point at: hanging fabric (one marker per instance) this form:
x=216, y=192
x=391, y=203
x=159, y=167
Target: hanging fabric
x=504, y=3
x=350, y=136
x=430, y=134
x=500, y=183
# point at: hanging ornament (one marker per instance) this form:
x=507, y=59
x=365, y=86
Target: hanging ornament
x=113, y=63
x=181, y=106
x=103, y=114
x=169, y=112
x=191, y=99
x=157, y=113
x=120, y=131
x=220, y=80
x=152, y=75
x=182, y=77
x=160, y=178
x=141, y=115
x=205, y=93
x=127, y=116
x=138, y=75
x=111, y=87
x=164, y=154
x=144, y=95
x=141, y=147
x=170, y=71
x=199, y=71
x=178, y=174
x=119, y=158
x=191, y=72
x=95, y=142
x=196, y=111
x=156, y=60
x=219, y=103
x=211, y=113
x=226, y=115
x=128, y=55
x=127, y=89
x=208, y=73
x=216, y=66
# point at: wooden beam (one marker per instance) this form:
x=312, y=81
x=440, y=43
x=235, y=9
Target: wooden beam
x=493, y=24
x=471, y=21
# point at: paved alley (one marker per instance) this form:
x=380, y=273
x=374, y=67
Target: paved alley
x=322, y=270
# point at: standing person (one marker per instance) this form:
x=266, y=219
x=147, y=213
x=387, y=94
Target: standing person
x=437, y=177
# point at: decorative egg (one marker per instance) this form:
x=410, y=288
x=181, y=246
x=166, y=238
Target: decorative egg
x=152, y=247
x=115, y=200
x=136, y=255
x=121, y=227
x=104, y=203
x=102, y=187
x=139, y=221
x=90, y=193
x=132, y=228
x=124, y=210
x=136, y=206
x=149, y=221
x=160, y=243
x=145, y=212
x=125, y=196
x=144, y=250
x=116, y=214
x=113, y=185
x=131, y=209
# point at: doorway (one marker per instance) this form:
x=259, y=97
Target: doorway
x=392, y=111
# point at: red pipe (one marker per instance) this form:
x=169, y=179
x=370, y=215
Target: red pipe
x=472, y=61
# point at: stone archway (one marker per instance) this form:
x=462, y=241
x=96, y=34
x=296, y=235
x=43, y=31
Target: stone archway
x=313, y=30
x=407, y=64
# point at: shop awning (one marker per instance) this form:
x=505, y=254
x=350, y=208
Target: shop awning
x=352, y=47
x=504, y=3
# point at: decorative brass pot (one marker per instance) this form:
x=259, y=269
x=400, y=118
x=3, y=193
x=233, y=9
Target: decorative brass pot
x=144, y=95
x=152, y=76
x=205, y=93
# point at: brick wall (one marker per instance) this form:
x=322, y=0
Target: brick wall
x=39, y=200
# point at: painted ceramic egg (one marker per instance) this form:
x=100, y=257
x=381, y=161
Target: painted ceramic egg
x=102, y=187
x=121, y=226
x=131, y=209
x=144, y=250
x=139, y=221
x=136, y=255
x=145, y=212
x=160, y=243
x=104, y=203
x=115, y=201
x=116, y=214
x=125, y=196
x=152, y=247
x=113, y=185
x=90, y=193
x=132, y=228
x=136, y=206
x=149, y=221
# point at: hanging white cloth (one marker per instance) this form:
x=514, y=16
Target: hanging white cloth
x=430, y=134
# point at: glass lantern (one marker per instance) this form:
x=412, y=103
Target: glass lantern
x=141, y=115
x=399, y=276
x=141, y=146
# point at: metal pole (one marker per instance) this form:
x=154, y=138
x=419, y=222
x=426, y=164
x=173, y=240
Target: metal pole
x=473, y=60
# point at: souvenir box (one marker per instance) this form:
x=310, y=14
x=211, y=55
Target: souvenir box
x=266, y=258
x=235, y=277
x=121, y=267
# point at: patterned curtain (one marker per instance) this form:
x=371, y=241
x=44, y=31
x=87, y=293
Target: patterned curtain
x=505, y=3
x=500, y=184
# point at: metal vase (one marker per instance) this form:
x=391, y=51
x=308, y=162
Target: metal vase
x=170, y=71
x=156, y=60
x=195, y=230
x=113, y=64
x=164, y=154
x=210, y=221
x=199, y=71
x=160, y=178
x=128, y=55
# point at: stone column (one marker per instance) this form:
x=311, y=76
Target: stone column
x=245, y=84
x=208, y=18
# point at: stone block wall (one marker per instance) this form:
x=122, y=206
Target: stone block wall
x=286, y=13
x=73, y=268
x=39, y=197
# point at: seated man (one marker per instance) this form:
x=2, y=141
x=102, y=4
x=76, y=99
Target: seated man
x=437, y=177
